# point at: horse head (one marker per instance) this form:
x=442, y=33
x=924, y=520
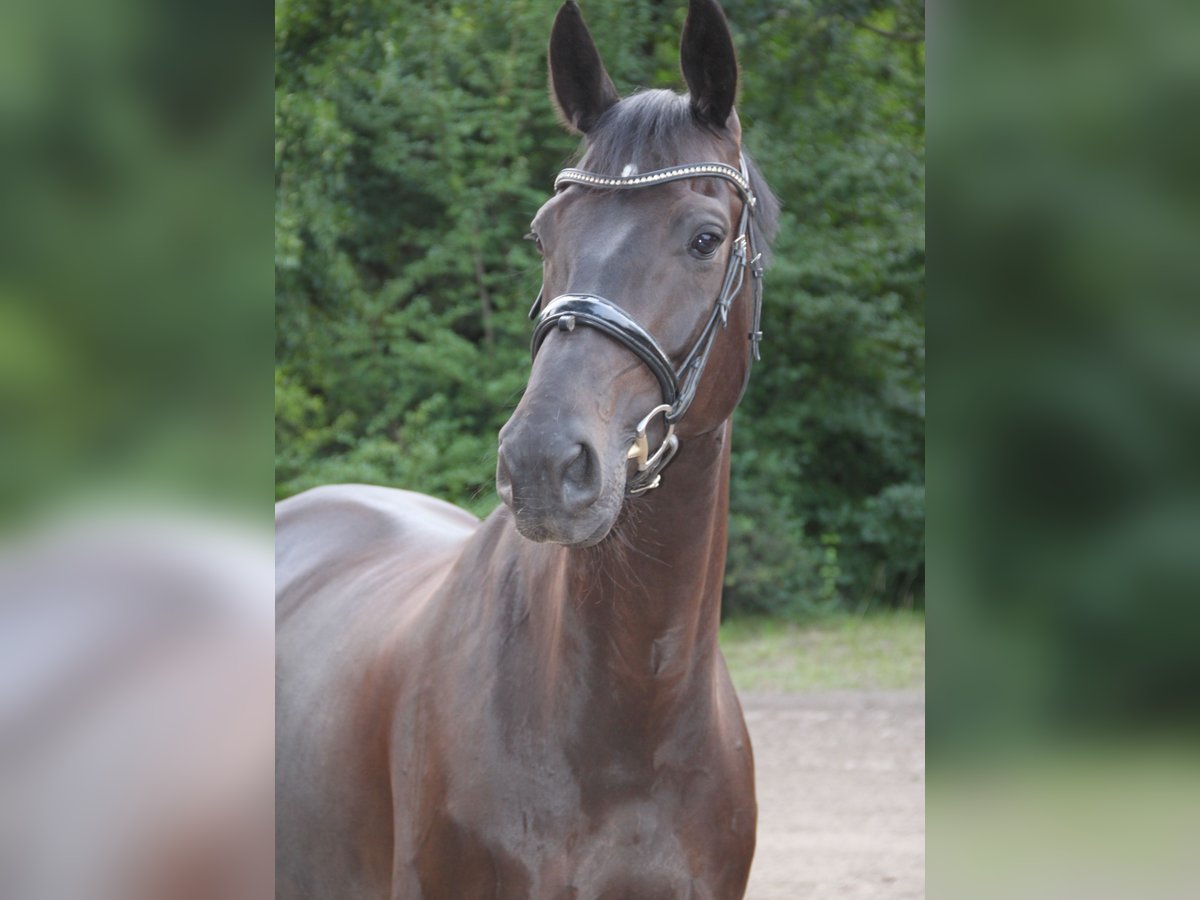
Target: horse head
x=652, y=259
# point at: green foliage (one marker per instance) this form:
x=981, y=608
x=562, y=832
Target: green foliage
x=413, y=145
x=830, y=438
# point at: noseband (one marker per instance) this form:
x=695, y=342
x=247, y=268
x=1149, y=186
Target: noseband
x=678, y=385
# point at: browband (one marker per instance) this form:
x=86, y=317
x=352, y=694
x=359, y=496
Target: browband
x=660, y=176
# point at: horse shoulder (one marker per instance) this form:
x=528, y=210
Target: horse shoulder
x=341, y=526
x=356, y=565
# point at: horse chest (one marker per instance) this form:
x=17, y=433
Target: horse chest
x=632, y=850
x=539, y=833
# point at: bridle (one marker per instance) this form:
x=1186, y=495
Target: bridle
x=678, y=385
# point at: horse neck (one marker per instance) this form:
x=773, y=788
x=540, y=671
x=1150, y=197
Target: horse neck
x=643, y=607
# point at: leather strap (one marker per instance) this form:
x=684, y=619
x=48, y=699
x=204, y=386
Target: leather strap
x=567, y=310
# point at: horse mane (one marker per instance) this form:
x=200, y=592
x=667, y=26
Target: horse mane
x=654, y=129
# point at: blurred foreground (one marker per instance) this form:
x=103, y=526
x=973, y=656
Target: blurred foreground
x=136, y=711
x=1064, y=499
x=1079, y=821
x=136, y=690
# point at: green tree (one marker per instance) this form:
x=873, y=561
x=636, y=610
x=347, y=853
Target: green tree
x=413, y=145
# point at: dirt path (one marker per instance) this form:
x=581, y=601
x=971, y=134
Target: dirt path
x=841, y=795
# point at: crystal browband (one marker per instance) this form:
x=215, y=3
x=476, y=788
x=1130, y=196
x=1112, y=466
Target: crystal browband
x=661, y=176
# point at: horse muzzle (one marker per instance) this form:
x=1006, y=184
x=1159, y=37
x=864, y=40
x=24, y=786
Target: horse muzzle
x=556, y=484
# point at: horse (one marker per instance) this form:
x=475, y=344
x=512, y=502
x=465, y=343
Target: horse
x=536, y=706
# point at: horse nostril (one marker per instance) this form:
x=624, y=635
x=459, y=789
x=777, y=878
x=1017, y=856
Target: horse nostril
x=503, y=478
x=577, y=469
x=581, y=478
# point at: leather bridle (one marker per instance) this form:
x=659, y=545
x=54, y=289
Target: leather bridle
x=678, y=384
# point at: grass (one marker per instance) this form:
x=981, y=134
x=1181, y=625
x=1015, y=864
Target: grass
x=884, y=651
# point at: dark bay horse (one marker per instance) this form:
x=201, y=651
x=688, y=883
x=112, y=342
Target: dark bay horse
x=535, y=706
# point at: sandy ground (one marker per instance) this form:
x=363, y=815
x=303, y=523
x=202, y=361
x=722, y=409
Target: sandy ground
x=841, y=795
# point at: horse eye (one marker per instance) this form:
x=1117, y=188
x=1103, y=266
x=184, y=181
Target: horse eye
x=532, y=236
x=705, y=244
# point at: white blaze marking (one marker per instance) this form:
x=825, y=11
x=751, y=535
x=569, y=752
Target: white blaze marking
x=630, y=169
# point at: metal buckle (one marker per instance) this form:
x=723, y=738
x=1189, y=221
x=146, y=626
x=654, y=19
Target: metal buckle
x=640, y=449
x=638, y=491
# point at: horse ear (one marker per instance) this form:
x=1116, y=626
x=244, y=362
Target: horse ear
x=708, y=62
x=581, y=89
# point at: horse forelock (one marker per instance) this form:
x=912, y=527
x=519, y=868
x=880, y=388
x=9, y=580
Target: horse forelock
x=647, y=130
